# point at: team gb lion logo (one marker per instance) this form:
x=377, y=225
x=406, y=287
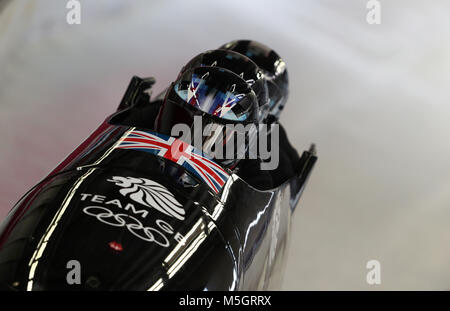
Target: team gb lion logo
x=151, y=194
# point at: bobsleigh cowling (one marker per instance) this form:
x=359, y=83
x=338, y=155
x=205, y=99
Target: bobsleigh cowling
x=126, y=212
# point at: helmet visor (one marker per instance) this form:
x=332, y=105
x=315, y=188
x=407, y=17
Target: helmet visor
x=217, y=92
x=239, y=64
x=222, y=100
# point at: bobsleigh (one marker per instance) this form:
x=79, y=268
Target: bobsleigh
x=136, y=208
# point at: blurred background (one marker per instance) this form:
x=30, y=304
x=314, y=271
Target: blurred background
x=374, y=99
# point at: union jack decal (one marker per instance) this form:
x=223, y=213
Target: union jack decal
x=179, y=152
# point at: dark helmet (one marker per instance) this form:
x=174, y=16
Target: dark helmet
x=240, y=65
x=273, y=66
x=220, y=98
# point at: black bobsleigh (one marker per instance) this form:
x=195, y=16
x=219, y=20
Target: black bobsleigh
x=137, y=208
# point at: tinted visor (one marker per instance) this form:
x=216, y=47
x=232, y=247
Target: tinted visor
x=217, y=92
x=220, y=98
x=240, y=65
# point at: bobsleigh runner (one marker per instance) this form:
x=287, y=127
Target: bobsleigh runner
x=136, y=207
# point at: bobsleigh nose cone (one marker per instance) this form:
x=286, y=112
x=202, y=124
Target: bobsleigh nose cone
x=114, y=229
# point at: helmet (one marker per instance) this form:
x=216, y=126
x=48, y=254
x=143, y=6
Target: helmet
x=240, y=65
x=273, y=67
x=222, y=99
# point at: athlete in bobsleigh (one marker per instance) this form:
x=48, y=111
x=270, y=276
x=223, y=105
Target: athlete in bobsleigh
x=151, y=202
